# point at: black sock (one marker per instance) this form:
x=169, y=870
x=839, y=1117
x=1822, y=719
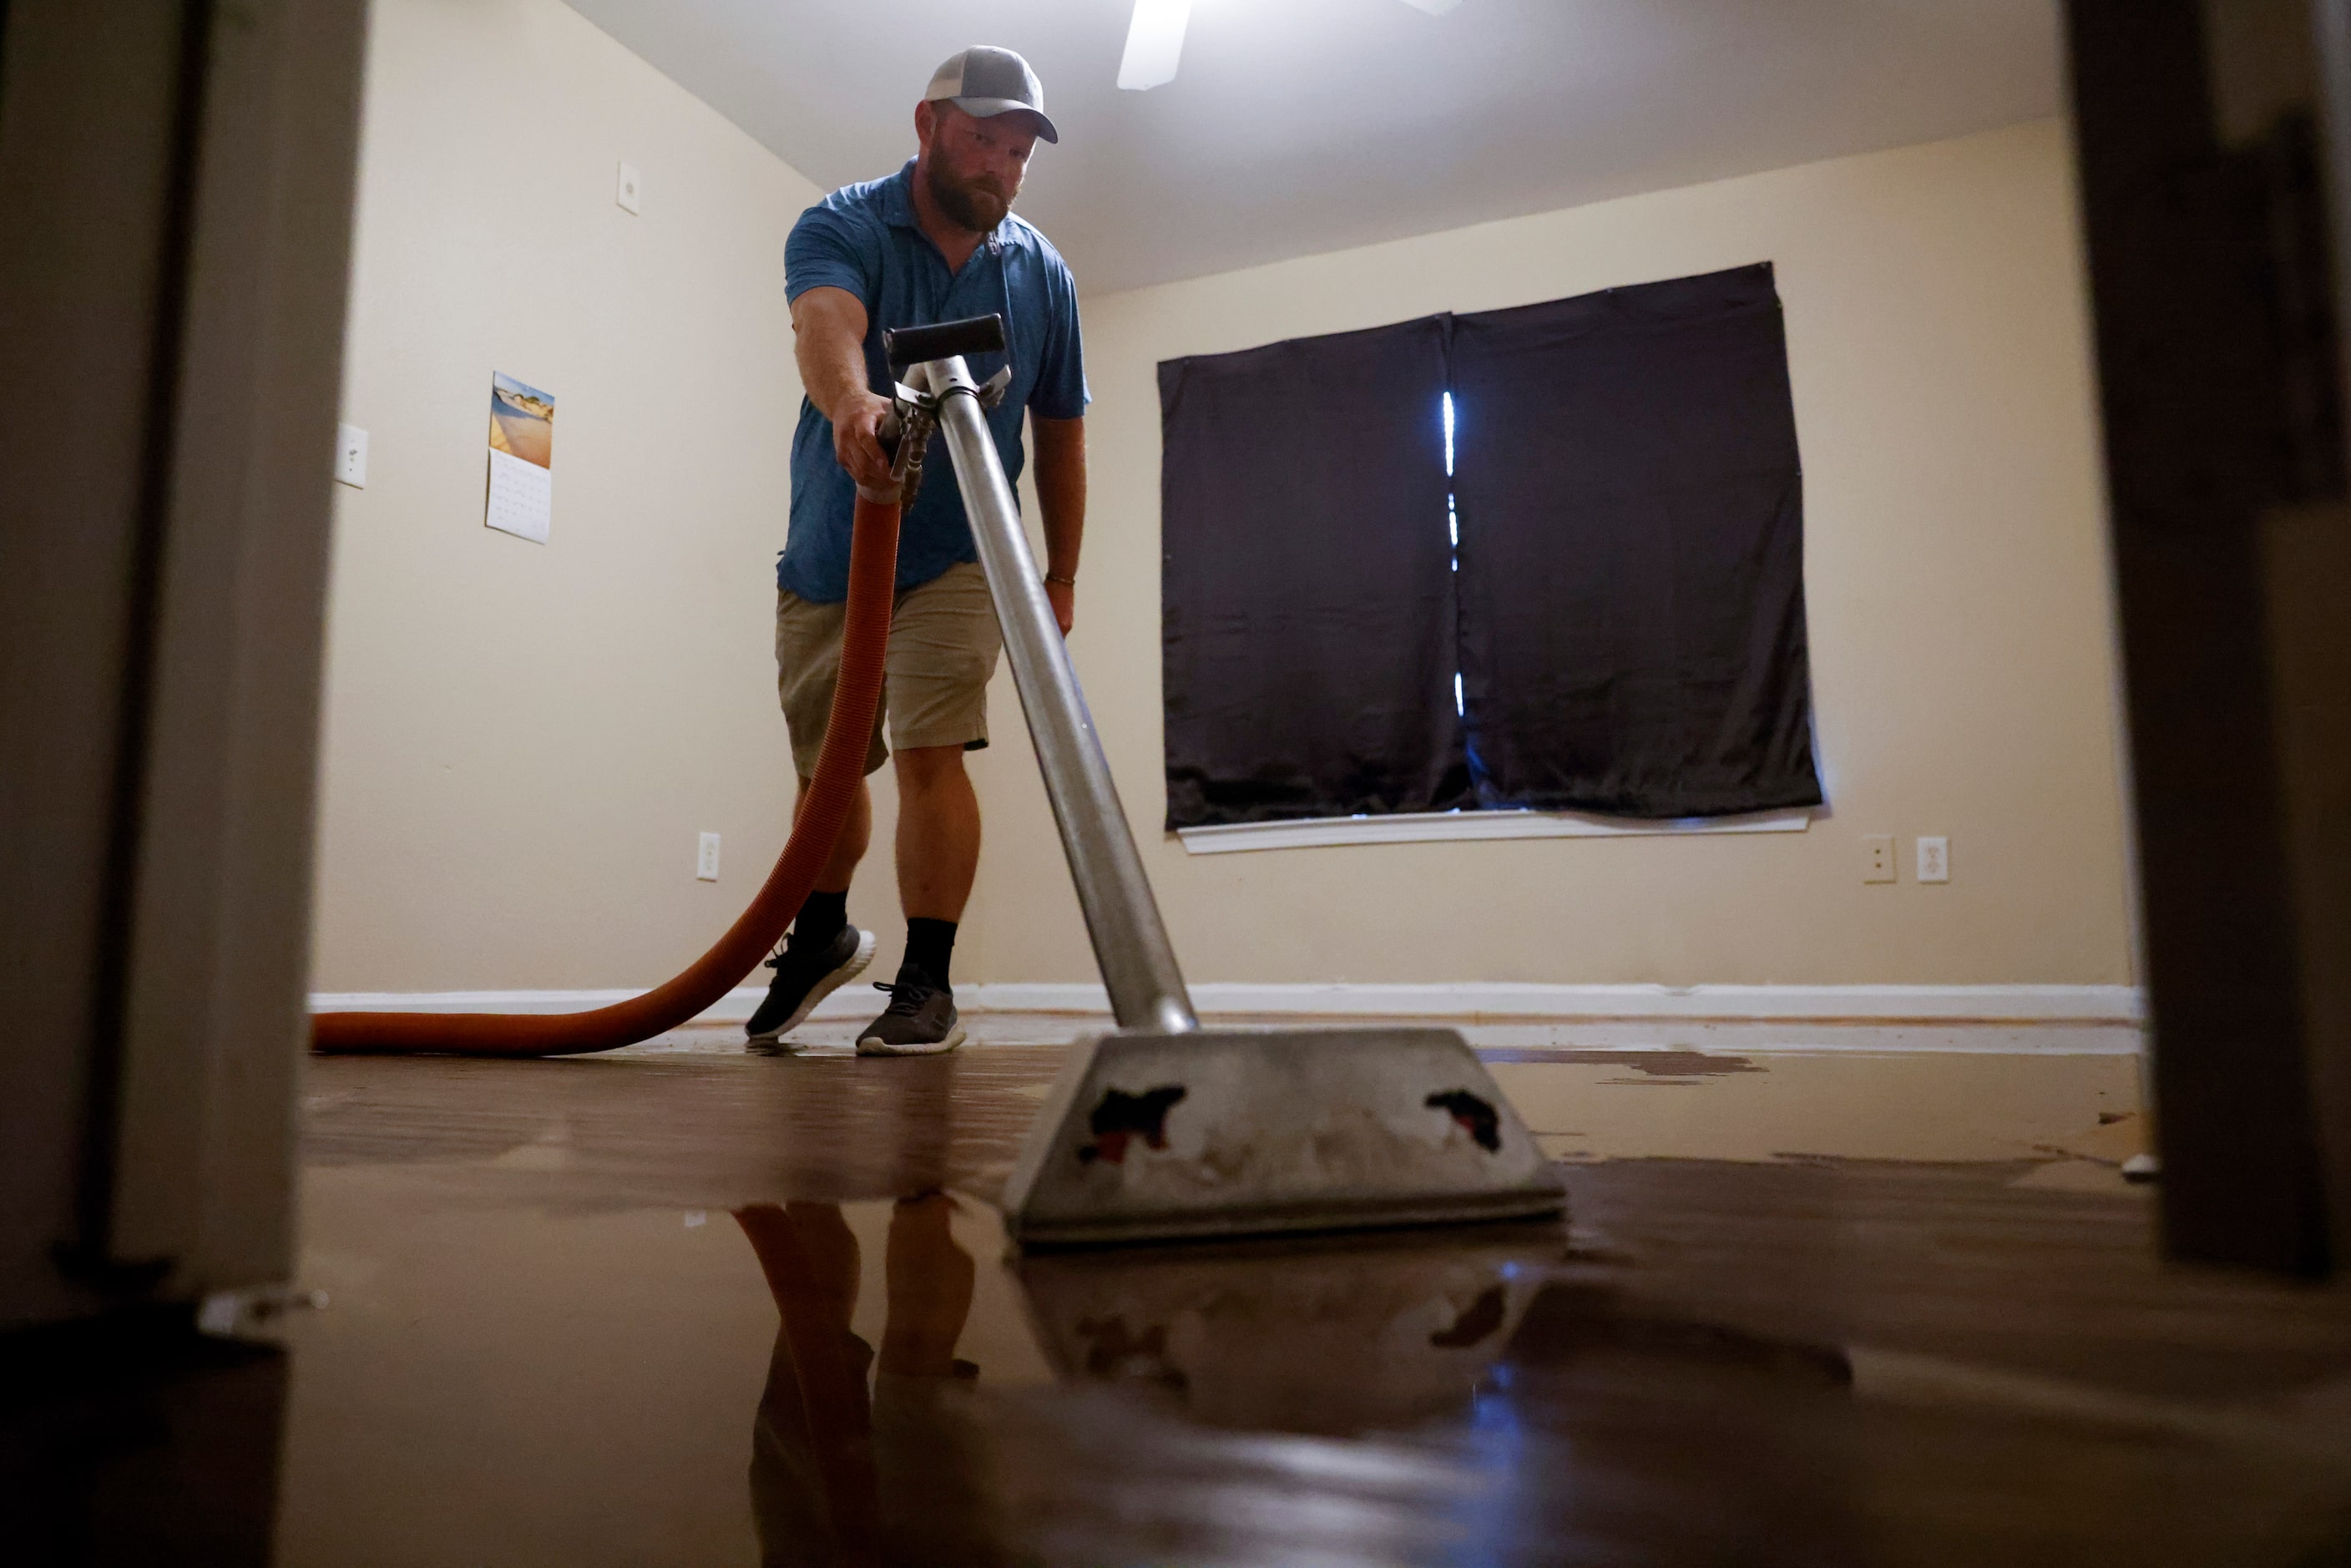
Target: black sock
x=930, y=948
x=821, y=919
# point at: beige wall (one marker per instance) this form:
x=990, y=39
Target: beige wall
x=1962, y=663
x=522, y=741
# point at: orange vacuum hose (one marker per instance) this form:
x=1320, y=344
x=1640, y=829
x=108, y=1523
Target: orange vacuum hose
x=873, y=577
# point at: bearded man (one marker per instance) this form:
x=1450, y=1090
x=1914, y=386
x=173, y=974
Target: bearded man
x=934, y=242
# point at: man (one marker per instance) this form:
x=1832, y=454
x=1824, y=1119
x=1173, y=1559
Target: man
x=936, y=242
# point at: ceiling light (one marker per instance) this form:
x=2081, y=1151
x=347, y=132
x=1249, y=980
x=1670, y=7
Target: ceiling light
x=1155, y=40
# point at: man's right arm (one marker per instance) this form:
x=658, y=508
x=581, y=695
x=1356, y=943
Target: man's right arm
x=828, y=343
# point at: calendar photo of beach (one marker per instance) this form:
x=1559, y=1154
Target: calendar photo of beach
x=522, y=420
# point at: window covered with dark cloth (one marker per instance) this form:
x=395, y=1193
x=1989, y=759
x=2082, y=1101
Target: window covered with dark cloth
x=1543, y=559
x=1308, y=638
x=1632, y=600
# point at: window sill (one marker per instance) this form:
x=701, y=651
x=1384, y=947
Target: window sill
x=1430, y=827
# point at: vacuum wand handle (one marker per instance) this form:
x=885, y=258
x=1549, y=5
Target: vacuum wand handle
x=918, y=345
x=1131, y=946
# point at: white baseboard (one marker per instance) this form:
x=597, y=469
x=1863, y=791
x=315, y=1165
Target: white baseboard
x=1504, y=1001
x=1473, y=1001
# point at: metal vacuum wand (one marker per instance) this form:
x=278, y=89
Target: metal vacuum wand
x=1164, y=1129
x=1130, y=941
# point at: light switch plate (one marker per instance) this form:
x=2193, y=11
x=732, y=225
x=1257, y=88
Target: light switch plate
x=350, y=456
x=1877, y=857
x=705, y=858
x=630, y=190
x=1934, y=859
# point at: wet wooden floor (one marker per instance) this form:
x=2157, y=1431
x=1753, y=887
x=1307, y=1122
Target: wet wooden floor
x=685, y=1306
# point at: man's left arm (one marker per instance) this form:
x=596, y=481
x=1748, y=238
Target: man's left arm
x=1061, y=508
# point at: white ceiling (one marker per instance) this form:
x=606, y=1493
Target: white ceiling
x=1299, y=126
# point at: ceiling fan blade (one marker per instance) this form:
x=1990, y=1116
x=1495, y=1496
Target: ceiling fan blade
x=1434, y=7
x=1155, y=40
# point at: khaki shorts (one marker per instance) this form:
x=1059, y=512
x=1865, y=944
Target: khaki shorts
x=942, y=648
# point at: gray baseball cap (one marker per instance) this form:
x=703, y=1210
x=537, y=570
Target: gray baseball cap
x=984, y=82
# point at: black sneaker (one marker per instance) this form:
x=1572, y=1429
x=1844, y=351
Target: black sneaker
x=803, y=979
x=919, y=1022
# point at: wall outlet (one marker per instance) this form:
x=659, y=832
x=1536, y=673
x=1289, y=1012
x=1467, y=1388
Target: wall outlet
x=1934, y=859
x=705, y=858
x=350, y=456
x=629, y=191
x=1877, y=857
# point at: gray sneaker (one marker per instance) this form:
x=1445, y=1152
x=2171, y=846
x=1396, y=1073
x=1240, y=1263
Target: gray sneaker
x=919, y=1022
x=803, y=979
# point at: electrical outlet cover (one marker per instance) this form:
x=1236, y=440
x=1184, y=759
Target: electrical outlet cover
x=1877, y=857
x=706, y=858
x=630, y=190
x=1934, y=860
x=350, y=456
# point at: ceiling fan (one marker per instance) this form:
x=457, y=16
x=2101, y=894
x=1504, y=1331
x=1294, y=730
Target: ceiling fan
x=1154, y=39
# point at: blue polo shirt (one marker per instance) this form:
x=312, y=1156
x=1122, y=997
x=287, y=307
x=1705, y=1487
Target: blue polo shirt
x=865, y=239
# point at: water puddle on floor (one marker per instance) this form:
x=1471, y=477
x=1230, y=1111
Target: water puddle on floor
x=691, y=1308
x=805, y=1381
x=502, y=1377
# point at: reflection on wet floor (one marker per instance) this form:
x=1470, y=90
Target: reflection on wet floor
x=689, y=1308
x=857, y=1454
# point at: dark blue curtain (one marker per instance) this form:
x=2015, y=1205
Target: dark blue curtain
x=1632, y=552
x=1307, y=640
x=1625, y=611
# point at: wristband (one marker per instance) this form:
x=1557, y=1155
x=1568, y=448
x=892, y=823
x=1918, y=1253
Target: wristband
x=1064, y=581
